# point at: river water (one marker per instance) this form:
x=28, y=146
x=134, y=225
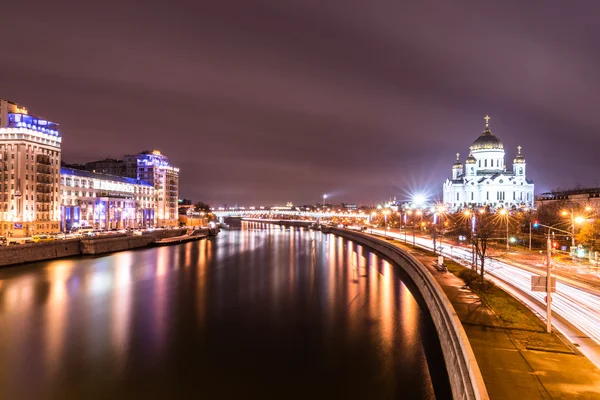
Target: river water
x=260, y=312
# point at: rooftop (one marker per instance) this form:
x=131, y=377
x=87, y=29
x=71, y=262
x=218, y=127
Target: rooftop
x=104, y=177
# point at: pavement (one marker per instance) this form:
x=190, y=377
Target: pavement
x=509, y=370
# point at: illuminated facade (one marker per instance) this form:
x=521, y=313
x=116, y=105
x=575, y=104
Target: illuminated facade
x=29, y=172
x=484, y=179
x=105, y=201
x=154, y=168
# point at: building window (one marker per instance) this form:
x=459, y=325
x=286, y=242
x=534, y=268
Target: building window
x=485, y=163
x=472, y=196
x=457, y=196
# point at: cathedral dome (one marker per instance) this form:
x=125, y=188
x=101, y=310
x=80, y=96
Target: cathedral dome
x=519, y=159
x=487, y=141
x=471, y=159
x=457, y=164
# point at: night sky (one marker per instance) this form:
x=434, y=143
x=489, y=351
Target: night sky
x=263, y=102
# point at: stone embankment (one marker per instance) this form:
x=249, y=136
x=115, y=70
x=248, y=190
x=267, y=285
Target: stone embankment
x=31, y=252
x=463, y=371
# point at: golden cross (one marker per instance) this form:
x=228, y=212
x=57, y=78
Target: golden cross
x=519, y=148
x=457, y=156
x=487, y=120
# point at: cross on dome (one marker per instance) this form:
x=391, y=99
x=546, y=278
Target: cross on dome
x=519, y=149
x=487, y=120
x=457, y=156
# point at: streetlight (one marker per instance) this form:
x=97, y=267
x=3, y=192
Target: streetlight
x=324, y=197
x=385, y=214
x=373, y=214
x=420, y=213
x=438, y=211
x=504, y=213
x=574, y=219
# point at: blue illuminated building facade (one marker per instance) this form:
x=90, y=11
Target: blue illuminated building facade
x=105, y=201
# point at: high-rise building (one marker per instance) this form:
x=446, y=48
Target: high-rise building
x=154, y=168
x=29, y=172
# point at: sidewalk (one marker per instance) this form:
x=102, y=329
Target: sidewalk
x=509, y=370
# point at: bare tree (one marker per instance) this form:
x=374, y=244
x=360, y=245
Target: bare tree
x=479, y=227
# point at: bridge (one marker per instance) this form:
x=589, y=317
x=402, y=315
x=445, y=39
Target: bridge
x=278, y=214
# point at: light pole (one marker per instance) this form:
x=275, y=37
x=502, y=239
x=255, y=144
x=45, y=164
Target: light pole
x=404, y=218
x=574, y=219
x=549, y=276
x=373, y=214
x=504, y=213
x=570, y=213
x=418, y=212
x=385, y=214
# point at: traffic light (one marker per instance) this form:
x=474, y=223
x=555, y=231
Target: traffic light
x=536, y=224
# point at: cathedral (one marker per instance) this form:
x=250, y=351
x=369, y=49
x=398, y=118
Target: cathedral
x=484, y=180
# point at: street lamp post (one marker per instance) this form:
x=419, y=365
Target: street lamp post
x=570, y=213
x=385, y=214
x=548, y=284
x=549, y=276
x=505, y=213
x=404, y=218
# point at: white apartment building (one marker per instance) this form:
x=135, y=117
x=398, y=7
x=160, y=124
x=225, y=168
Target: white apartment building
x=29, y=172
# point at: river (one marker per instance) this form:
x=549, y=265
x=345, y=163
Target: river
x=259, y=312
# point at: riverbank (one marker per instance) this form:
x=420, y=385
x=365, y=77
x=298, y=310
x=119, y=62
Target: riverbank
x=33, y=252
x=516, y=357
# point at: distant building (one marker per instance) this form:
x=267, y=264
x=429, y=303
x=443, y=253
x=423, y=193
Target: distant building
x=587, y=197
x=29, y=172
x=105, y=201
x=109, y=166
x=484, y=179
x=154, y=168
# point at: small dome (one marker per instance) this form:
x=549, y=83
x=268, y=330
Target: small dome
x=487, y=141
x=457, y=164
x=519, y=159
x=471, y=159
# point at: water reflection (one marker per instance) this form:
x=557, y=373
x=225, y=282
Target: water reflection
x=249, y=314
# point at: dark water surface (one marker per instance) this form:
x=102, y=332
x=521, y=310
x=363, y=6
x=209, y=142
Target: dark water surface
x=262, y=312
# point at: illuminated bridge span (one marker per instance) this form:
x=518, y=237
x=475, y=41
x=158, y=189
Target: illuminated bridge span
x=274, y=214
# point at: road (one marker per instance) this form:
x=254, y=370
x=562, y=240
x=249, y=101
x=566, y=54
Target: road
x=576, y=305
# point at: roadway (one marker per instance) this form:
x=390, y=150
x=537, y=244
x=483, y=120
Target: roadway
x=575, y=306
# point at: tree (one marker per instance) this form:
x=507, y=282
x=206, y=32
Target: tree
x=589, y=234
x=200, y=206
x=478, y=227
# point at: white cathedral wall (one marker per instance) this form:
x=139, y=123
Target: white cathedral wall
x=488, y=194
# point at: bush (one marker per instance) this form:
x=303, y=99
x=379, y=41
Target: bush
x=473, y=280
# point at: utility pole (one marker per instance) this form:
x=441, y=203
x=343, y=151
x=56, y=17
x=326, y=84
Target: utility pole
x=548, y=285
